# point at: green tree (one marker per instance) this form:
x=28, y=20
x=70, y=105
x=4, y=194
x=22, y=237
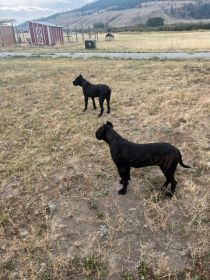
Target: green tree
x=99, y=25
x=155, y=21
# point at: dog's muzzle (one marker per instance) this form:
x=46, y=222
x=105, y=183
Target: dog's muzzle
x=74, y=83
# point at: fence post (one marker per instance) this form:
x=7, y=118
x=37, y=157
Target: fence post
x=76, y=34
x=68, y=33
x=83, y=39
x=89, y=32
x=13, y=31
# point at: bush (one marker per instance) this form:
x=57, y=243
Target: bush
x=156, y=21
x=99, y=25
x=167, y=27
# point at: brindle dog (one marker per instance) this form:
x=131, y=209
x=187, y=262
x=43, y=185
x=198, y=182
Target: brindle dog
x=126, y=154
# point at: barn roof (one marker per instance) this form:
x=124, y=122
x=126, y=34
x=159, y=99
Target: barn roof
x=5, y=21
x=46, y=23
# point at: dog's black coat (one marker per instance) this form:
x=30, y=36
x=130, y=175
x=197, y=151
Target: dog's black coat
x=126, y=154
x=89, y=90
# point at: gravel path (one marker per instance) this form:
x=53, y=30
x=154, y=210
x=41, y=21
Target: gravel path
x=138, y=56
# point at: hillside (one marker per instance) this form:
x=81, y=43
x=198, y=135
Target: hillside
x=120, y=13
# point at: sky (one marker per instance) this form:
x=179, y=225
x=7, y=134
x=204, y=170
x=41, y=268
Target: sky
x=22, y=10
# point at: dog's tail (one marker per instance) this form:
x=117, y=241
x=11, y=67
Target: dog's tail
x=181, y=162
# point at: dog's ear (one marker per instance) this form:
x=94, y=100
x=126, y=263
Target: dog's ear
x=109, y=124
x=80, y=76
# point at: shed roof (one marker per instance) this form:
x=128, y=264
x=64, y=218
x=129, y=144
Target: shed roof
x=46, y=23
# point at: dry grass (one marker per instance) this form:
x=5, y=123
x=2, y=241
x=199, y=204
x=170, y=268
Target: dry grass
x=50, y=158
x=158, y=41
x=135, y=42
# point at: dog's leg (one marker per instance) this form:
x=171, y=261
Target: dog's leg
x=123, y=190
x=165, y=185
x=94, y=104
x=101, y=102
x=173, y=186
x=108, y=104
x=170, y=178
x=124, y=172
x=86, y=103
x=127, y=175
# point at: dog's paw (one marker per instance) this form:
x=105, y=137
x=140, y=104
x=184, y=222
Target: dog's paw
x=84, y=110
x=168, y=195
x=122, y=191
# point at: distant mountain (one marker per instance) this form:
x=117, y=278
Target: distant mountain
x=111, y=5
x=121, y=13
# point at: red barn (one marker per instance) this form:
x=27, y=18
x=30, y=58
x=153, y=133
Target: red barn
x=7, y=35
x=43, y=33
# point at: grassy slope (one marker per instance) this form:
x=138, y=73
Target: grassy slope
x=49, y=154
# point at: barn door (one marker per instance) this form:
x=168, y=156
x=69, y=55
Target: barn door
x=39, y=36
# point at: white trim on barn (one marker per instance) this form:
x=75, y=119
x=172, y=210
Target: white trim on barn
x=49, y=37
x=43, y=32
x=39, y=35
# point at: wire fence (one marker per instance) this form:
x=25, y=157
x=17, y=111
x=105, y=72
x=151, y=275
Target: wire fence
x=71, y=36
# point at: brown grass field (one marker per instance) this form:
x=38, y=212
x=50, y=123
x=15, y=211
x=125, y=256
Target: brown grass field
x=132, y=42
x=60, y=214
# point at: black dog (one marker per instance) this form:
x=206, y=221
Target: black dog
x=126, y=154
x=92, y=91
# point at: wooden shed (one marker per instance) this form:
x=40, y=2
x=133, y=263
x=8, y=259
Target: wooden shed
x=7, y=35
x=43, y=33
